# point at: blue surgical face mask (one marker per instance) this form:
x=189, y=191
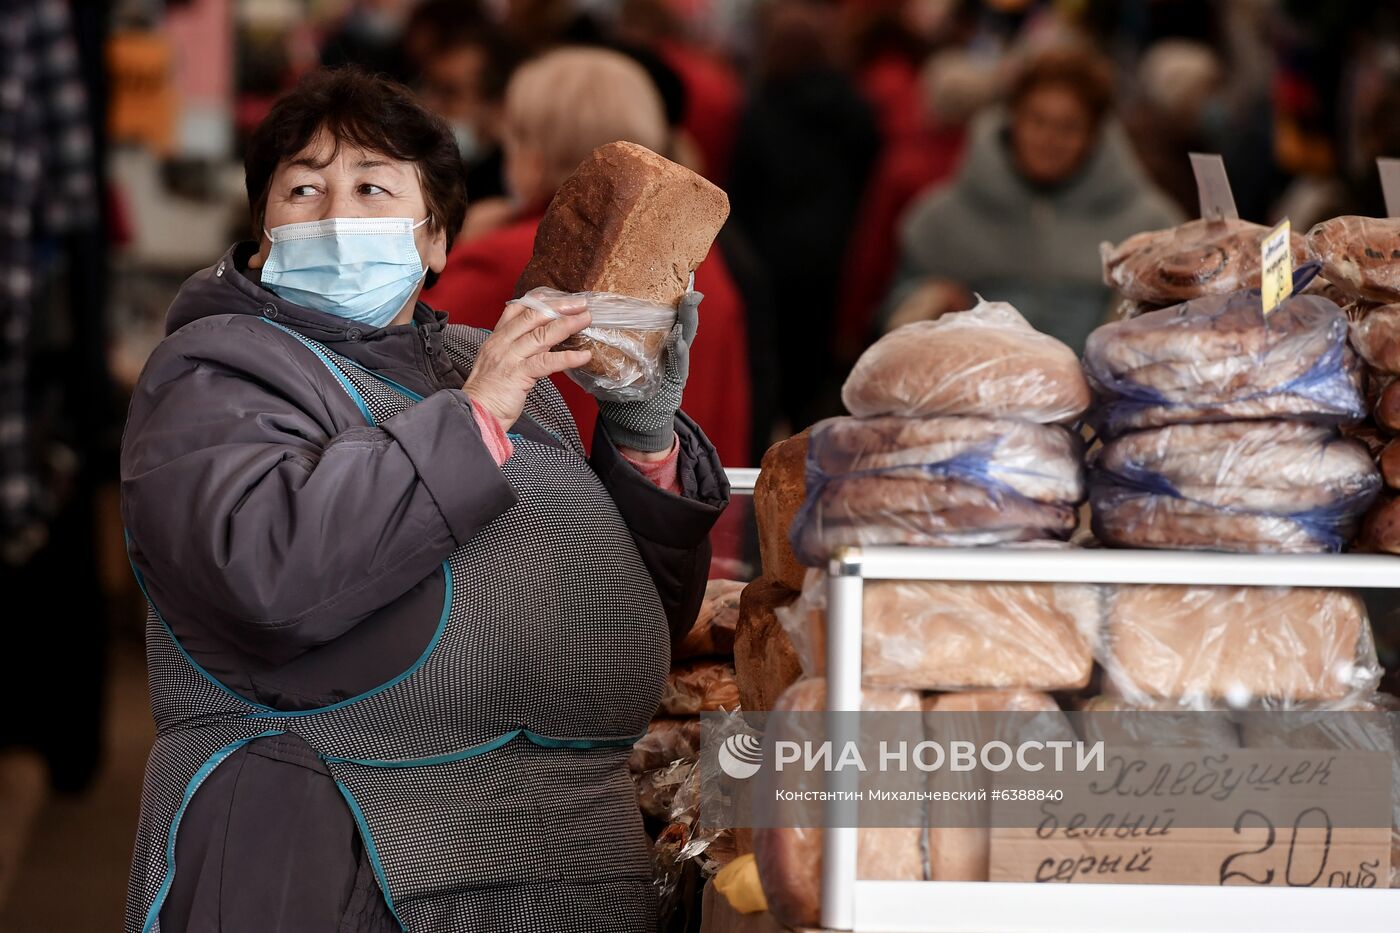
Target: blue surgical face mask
x=363, y=269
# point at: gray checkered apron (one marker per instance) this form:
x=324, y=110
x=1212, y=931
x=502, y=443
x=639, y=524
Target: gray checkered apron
x=489, y=781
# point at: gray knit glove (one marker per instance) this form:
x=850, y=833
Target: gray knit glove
x=650, y=425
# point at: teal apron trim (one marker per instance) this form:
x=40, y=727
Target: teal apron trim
x=345, y=383
x=371, y=850
x=204, y=771
x=543, y=741
x=422, y=659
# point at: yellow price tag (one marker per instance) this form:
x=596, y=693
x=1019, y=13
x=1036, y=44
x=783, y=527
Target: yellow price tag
x=1277, y=265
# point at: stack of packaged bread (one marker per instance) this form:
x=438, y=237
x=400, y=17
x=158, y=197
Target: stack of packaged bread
x=958, y=440
x=701, y=681
x=1360, y=258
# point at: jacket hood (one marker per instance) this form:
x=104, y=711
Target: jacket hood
x=228, y=287
x=1109, y=179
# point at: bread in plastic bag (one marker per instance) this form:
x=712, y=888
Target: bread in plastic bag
x=1376, y=336
x=1219, y=359
x=986, y=361
x=790, y=857
x=765, y=661
x=700, y=686
x=1245, y=486
x=1265, y=647
x=656, y=789
x=1116, y=721
x=963, y=853
x=936, y=482
x=667, y=740
x=1360, y=255
x=1193, y=260
x=628, y=339
x=935, y=635
x=713, y=632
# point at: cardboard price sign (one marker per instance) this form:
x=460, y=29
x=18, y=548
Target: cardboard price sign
x=1207, y=817
x=1277, y=266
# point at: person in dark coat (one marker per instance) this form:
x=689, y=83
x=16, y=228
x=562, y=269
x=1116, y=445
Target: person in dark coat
x=805, y=146
x=402, y=631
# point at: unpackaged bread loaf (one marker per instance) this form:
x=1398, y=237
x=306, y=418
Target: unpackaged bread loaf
x=777, y=496
x=1275, y=645
x=1390, y=464
x=1380, y=530
x=790, y=857
x=934, y=635
x=700, y=686
x=962, y=853
x=713, y=632
x=765, y=661
x=1252, y=486
x=1215, y=359
x=629, y=222
x=1195, y=259
x=1360, y=255
x=986, y=361
x=1387, y=408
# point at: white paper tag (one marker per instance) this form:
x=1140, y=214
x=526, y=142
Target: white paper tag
x=1390, y=185
x=1277, y=266
x=1213, y=187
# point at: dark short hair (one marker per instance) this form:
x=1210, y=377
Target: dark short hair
x=1085, y=74
x=373, y=113
x=448, y=25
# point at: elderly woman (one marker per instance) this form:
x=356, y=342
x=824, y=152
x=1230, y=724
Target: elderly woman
x=402, y=632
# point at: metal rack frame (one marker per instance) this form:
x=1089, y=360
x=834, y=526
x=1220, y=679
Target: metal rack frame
x=987, y=907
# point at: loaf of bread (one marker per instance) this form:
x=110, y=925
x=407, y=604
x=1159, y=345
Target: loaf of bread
x=765, y=661
x=1271, y=645
x=986, y=361
x=961, y=853
x=1387, y=408
x=713, y=632
x=790, y=857
x=1360, y=255
x=626, y=222
x=1215, y=359
x=700, y=686
x=934, y=635
x=1251, y=486
x=937, y=482
x=1195, y=259
x=1118, y=722
x=1380, y=530
x=1037, y=462
x=777, y=496
x=667, y=740
x=1376, y=336
x=1390, y=464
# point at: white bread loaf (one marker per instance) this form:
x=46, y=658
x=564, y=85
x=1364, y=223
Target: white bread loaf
x=1274, y=645
x=986, y=361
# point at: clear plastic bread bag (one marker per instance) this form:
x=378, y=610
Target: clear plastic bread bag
x=985, y=361
x=1247, y=487
x=1189, y=261
x=1221, y=358
x=628, y=339
x=944, y=482
x=1360, y=255
x=934, y=635
x=1201, y=647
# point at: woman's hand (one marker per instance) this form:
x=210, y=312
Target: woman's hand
x=519, y=353
x=648, y=427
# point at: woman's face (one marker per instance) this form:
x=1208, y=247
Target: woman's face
x=1052, y=134
x=319, y=183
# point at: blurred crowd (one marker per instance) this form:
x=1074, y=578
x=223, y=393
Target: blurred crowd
x=886, y=160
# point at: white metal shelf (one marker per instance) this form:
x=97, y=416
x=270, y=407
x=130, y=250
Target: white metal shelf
x=984, y=907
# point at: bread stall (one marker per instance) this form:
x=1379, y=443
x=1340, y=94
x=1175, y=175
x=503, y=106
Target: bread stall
x=1185, y=527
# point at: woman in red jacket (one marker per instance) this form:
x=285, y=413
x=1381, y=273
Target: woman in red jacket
x=558, y=109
